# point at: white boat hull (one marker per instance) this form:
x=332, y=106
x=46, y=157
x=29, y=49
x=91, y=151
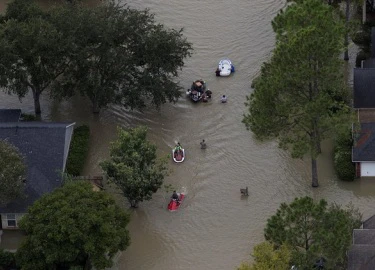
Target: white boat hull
x=225, y=67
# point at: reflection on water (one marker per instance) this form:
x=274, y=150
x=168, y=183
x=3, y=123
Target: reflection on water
x=215, y=228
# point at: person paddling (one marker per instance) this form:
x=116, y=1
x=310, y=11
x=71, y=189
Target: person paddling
x=175, y=196
x=223, y=99
x=203, y=144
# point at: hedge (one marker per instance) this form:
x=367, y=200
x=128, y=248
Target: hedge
x=79, y=147
x=342, y=158
x=28, y=117
x=7, y=260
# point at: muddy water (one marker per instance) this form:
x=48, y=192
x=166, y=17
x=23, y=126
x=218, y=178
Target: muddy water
x=215, y=228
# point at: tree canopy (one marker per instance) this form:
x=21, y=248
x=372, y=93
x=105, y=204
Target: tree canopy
x=73, y=226
x=300, y=95
x=109, y=53
x=314, y=230
x=12, y=173
x=133, y=165
x=268, y=257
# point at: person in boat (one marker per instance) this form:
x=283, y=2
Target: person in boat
x=223, y=99
x=204, y=97
x=203, y=144
x=178, y=149
x=217, y=72
x=208, y=93
x=175, y=196
x=178, y=146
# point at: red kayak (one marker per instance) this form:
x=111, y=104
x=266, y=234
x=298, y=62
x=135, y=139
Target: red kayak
x=174, y=204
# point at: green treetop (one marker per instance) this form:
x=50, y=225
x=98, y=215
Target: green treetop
x=73, y=226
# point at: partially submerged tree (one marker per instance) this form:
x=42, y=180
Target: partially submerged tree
x=109, y=53
x=134, y=167
x=126, y=58
x=73, y=226
x=314, y=230
x=34, y=51
x=300, y=95
x=12, y=173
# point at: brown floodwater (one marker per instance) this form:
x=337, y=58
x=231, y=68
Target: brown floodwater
x=215, y=228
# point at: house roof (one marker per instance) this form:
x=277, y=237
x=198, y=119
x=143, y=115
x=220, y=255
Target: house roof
x=372, y=42
x=364, y=88
x=361, y=257
x=364, y=237
x=44, y=146
x=369, y=223
x=369, y=63
x=10, y=115
x=364, y=144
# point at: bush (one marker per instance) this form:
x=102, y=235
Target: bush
x=27, y=117
x=7, y=260
x=344, y=166
x=78, y=150
x=342, y=159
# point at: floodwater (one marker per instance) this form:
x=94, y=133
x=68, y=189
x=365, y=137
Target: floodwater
x=215, y=228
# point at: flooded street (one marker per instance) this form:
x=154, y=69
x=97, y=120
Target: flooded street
x=215, y=228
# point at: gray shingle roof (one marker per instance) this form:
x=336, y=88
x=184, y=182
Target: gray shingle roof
x=369, y=63
x=372, y=42
x=10, y=115
x=43, y=145
x=369, y=223
x=364, y=237
x=364, y=88
x=364, y=145
x=361, y=257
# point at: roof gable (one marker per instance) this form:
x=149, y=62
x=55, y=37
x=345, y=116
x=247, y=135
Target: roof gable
x=364, y=88
x=43, y=145
x=369, y=223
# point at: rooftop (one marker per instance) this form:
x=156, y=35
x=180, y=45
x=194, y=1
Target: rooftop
x=364, y=88
x=364, y=143
x=45, y=147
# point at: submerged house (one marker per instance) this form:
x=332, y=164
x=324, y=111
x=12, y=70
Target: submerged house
x=361, y=255
x=363, y=154
x=45, y=146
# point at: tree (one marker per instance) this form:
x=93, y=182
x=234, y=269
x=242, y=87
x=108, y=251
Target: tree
x=267, y=257
x=134, y=167
x=300, y=96
x=12, y=173
x=125, y=57
x=34, y=52
x=313, y=230
x=109, y=53
x=73, y=226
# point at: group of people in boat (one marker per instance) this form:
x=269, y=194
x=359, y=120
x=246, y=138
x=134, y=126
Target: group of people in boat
x=198, y=88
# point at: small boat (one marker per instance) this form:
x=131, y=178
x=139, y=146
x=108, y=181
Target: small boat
x=225, y=67
x=199, y=91
x=178, y=155
x=173, y=205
